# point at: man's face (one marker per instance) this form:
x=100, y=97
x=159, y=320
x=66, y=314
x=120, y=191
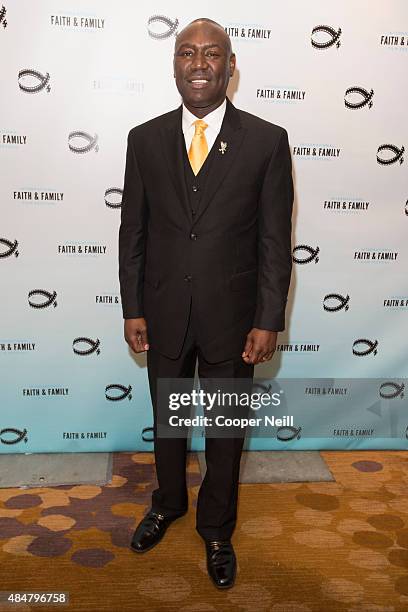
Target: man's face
x=203, y=66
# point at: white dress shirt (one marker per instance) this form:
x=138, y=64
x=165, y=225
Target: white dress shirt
x=213, y=119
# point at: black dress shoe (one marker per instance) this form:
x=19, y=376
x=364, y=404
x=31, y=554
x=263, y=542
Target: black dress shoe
x=150, y=531
x=221, y=563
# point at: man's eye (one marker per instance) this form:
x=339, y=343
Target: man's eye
x=187, y=53
x=212, y=54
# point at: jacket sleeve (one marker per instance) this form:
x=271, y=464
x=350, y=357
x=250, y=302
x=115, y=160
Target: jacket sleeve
x=274, y=239
x=132, y=237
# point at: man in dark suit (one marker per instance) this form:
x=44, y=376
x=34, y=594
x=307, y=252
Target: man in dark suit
x=204, y=267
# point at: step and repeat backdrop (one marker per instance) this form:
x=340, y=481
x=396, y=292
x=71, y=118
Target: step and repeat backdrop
x=75, y=78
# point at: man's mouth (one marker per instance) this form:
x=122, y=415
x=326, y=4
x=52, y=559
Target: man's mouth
x=198, y=83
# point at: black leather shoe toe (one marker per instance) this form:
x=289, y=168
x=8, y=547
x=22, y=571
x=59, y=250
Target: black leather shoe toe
x=221, y=563
x=149, y=532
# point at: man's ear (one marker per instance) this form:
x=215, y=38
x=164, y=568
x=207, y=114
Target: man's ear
x=232, y=63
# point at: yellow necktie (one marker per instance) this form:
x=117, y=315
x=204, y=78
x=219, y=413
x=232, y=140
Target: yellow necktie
x=199, y=147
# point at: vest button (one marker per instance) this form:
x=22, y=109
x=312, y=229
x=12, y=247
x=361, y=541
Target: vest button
x=187, y=278
x=195, y=188
x=193, y=236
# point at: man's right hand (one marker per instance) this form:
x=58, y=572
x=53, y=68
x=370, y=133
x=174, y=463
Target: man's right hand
x=136, y=334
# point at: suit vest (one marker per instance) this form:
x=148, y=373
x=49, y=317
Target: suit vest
x=196, y=184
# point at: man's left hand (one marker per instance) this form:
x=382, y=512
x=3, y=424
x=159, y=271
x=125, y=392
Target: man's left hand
x=260, y=346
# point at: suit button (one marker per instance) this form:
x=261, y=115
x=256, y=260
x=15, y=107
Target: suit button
x=195, y=188
x=193, y=212
x=193, y=236
x=187, y=278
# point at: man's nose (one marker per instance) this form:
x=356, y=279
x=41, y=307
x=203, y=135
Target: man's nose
x=199, y=60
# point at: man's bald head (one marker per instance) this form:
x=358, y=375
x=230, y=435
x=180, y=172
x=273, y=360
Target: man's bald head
x=206, y=22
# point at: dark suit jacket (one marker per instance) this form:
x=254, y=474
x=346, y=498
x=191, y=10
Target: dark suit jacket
x=237, y=269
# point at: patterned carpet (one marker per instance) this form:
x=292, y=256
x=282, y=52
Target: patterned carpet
x=339, y=546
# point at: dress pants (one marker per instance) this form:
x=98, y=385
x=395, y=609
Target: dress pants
x=218, y=495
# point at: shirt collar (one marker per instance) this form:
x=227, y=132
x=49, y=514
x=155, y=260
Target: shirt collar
x=214, y=119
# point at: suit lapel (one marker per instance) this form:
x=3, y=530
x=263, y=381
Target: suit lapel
x=231, y=134
x=172, y=140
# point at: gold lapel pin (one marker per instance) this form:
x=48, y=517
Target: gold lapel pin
x=223, y=147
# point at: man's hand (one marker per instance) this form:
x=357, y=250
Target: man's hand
x=136, y=334
x=260, y=345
